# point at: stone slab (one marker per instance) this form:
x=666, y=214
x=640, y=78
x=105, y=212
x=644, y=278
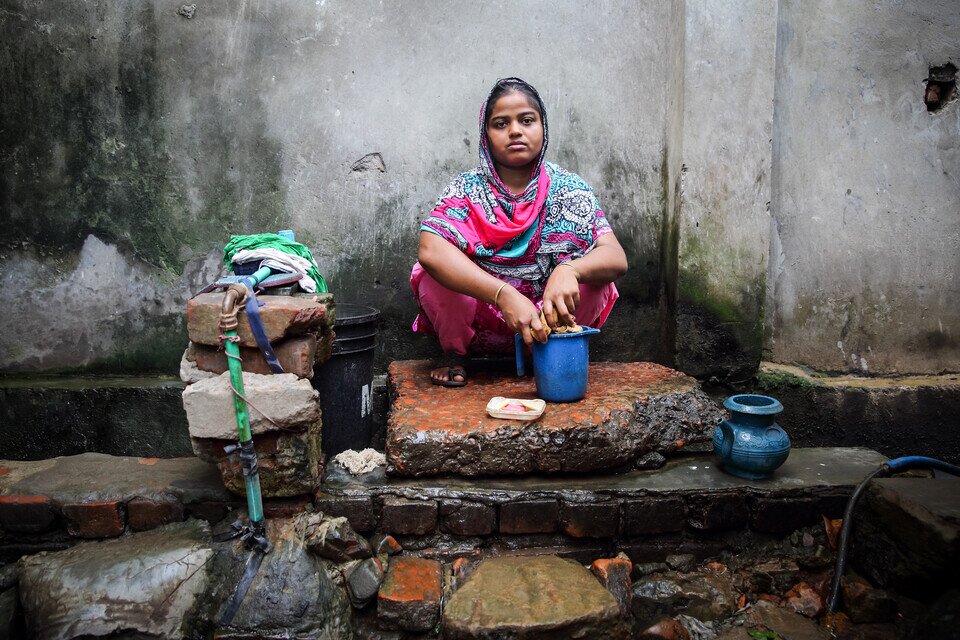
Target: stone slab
x=96, y=477
x=285, y=399
x=908, y=535
x=147, y=583
x=531, y=597
x=296, y=355
x=282, y=316
x=410, y=595
x=630, y=409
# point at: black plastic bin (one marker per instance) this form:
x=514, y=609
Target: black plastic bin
x=345, y=381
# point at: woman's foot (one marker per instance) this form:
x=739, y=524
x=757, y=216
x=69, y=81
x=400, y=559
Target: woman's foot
x=450, y=372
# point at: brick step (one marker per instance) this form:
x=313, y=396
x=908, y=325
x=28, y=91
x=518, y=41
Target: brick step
x=689, y=505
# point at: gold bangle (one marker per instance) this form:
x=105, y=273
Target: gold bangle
x=567, y=264
x=496, y=296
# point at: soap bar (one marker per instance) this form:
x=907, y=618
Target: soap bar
x=515, y=409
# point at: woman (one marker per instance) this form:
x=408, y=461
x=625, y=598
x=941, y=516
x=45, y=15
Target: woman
x=491, y=251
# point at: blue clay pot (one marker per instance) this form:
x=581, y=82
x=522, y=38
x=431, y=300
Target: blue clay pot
x=750, y=444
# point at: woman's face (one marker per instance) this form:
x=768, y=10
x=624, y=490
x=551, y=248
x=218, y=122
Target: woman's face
x=514, y=131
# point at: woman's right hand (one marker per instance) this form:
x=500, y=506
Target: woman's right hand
x=521, y=315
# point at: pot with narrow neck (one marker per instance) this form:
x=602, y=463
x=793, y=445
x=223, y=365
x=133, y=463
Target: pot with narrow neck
x=750, y=444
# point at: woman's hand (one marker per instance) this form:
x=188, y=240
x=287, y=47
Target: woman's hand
x=561, y=296
x=521, y=315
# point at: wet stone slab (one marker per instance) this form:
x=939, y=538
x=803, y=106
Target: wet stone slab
x=631, y=409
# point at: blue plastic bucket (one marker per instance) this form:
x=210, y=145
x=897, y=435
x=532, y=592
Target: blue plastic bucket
x=560, y=366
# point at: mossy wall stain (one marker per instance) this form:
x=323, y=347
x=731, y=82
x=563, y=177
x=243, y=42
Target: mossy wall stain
x=87, y=146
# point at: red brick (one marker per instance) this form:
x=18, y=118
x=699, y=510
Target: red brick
x=95, y=519
x=285, y=507
x=614, y=575
x=718, y=511
x=295, y=355
x=590, y=520
x=385, y=543
x=529, y=516
x=781, y=516
x=410, y=595
x=282, y=316
x=410, y=517
x=358, y=510
x=653, y=515
x=467, y=518
x=26, y=514
x=144, y=514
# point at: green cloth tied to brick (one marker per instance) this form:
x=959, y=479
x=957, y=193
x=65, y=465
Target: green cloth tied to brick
x=273, y=241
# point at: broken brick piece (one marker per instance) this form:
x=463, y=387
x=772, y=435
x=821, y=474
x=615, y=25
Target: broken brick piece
x=26, y=514
x=95, y=519
x=144, y=514
x=529, y=516
x=410, y=517
x=384, y=543
x=591, y=520
x=614, y=575
x=410, y=595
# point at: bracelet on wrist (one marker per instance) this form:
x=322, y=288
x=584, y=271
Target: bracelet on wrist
x=496, y=296
x=567, y=264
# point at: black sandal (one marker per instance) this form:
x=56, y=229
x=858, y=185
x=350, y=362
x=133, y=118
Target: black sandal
x=456, y=366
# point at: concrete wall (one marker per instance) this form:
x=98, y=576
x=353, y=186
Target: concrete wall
x=134, y=140
x=725, y=217
x=866, y=191
x=143, y=138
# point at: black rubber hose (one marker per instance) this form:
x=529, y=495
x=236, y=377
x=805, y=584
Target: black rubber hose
x=897, y=465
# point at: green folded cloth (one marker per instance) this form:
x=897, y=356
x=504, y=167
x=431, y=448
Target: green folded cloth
x=273, y=241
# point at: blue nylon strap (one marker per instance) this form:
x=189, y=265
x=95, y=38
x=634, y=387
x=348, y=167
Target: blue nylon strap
x=259, y=334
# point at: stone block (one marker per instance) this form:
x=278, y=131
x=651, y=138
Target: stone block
x=529, y=516
x=288, y=401
x=289, y=463
x=718, y=511
x=535, y=597
x=630, y=409
x=144, y=514
x=143, y=585
x=296, y=355
x=363, y=579
x=410, y=595
x=649, y=516
x=781, y=516
x=408, y=517
x=26, y=514
x=590, y=520
x=358, y=510
x=282, y=316
x=95, y=519
x=467, y=518
x=614, y=575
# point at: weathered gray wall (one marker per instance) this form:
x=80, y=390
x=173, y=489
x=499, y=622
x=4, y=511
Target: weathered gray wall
x=865, y=254
x=724, y=222
x=134, y=140
x=140, y=138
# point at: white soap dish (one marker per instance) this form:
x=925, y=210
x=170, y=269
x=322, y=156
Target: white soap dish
x=515, y=409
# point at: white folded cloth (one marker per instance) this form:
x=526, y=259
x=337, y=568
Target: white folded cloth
x=279, y=261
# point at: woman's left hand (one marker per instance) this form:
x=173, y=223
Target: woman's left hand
x=561, y=297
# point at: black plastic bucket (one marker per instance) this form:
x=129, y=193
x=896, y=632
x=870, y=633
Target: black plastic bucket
x=345, y=381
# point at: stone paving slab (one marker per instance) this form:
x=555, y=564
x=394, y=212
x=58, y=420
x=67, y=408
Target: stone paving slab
x=97, y=477
x=534, y=597
x=630, y=409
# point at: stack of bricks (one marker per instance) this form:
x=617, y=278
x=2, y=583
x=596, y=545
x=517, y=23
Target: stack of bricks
x=284, y=409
